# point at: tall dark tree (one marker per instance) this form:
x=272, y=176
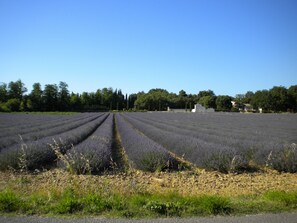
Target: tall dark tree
x=120, y=100
x=279, y=99
x=85, y=101
x=3, y=92
x=181, y=101
x=292, y=93
x=75, y=102
x=51, y=97
x=36, y=97
x=64, y=97
x=131, y=100
x=107, y=95
x=99, y=97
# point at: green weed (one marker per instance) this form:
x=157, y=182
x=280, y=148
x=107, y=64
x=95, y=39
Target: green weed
x=287, y=198
x=9, y=202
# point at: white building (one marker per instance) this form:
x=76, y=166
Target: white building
x=200, y=108
x=197, y=108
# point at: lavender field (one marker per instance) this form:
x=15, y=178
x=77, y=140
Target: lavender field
x=85, y=143
x=34, y=142
x=224, y=141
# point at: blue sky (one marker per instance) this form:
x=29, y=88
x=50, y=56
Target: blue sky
x=228, y=46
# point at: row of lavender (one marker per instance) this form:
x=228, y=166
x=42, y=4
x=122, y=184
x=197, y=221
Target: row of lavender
x=94, y=154
x=143, y=153
x=40, y=147
x=224, y=141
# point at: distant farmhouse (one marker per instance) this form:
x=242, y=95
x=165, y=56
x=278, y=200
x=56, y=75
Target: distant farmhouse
x=197, y=108
x=248, y=108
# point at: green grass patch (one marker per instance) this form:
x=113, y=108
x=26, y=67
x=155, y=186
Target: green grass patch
x=289, y=199
x=142, y=205
x=9, y=201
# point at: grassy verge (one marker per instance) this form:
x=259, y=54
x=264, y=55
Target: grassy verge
x=141, y=205
x=62, y=194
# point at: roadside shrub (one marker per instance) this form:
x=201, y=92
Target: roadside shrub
x=284, y=160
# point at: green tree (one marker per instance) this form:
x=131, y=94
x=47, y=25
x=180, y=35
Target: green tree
x=64, y=97
x=85, y=101
x=205, y=93
x=51, y=97
x=120, y=100
x=107, y=96
x=248, y=97
x=16, y=90
x=208, y=101
x=181, y=101
x=13, y=104
x=157, y=99
x=75, y=102
x=223, y=103
x=3, y=92
x=141, y=101
x=292, y=93
x=279, y=99
x=261, y=99
x=36, y=97
x=26, y=104
x=131, y=100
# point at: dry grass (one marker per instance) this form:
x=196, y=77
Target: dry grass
x=198, y=182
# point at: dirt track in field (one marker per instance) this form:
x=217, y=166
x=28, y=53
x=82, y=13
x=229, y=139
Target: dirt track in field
x=186, y=183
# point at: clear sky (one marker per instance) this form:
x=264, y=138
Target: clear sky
x=228, y=46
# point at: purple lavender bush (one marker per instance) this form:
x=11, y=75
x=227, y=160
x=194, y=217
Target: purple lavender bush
x=284, y=160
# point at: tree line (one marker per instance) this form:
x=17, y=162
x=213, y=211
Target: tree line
x=53, y=97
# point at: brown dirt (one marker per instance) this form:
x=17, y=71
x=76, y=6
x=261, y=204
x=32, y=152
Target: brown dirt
x=196, y=182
